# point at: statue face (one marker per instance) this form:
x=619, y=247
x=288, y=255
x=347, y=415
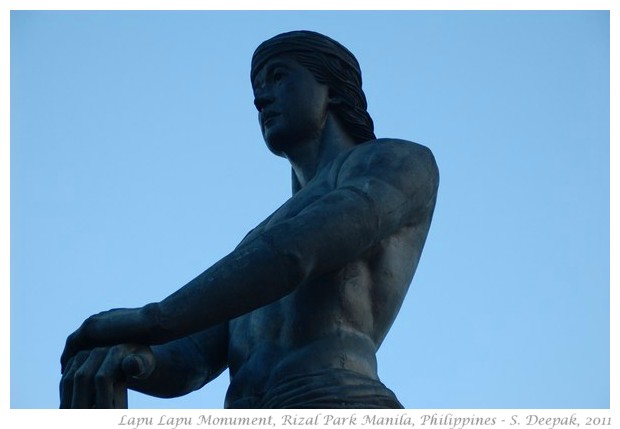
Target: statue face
x=292, y=105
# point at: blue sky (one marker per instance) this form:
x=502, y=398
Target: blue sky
x=137, y=162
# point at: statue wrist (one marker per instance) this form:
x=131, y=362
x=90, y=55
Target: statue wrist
x=150, y=316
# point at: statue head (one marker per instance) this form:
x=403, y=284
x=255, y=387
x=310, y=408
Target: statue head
x=331, y=64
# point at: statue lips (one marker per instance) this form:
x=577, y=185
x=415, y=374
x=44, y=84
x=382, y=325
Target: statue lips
x=267, y=116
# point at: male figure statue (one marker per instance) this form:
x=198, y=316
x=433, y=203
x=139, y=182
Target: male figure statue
x=299, y=309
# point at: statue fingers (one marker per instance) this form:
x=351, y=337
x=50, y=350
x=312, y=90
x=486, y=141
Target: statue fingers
x=110, y=384
x=122, y=362
x=68, y=352
x=78, y=341
x=66, y=381
x=84, y=393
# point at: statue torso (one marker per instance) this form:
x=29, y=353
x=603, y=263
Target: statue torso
x=337, y=321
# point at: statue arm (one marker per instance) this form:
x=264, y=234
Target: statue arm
x=381, y=189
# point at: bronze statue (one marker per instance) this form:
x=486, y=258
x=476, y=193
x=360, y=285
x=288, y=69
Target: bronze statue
x=299, y=309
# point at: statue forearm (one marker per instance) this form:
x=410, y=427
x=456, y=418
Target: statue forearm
x=252, y=276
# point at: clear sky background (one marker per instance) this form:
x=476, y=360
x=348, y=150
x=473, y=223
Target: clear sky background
x=137, y=162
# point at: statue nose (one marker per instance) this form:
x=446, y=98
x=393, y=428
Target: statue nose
x=262, y=100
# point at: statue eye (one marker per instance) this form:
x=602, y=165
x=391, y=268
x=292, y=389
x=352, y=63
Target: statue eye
x=277, y=76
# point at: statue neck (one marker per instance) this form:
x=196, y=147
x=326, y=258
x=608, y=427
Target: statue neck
x=310, y=158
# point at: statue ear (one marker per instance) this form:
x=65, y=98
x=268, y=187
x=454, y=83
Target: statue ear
x=334, y=97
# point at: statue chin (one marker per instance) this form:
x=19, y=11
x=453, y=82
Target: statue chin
x=277, y=143
x=276, y=149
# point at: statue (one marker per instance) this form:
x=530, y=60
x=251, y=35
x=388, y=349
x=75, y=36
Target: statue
x=298, y=310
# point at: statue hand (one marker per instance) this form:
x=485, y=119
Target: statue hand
x=98, y=378
x=108, y=328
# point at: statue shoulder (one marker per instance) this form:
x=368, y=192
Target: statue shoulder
x=398, y=177
x=401, y=162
